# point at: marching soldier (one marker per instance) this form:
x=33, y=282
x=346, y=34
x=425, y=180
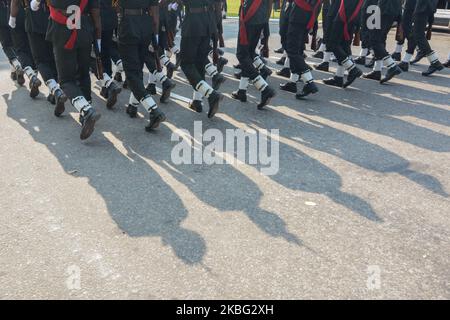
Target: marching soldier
x=72, y=36
x=254, y=15
x=327, y=19
x=7, y=44
x=199, y=25
x=36, y=23
x=407, y=25
x=139, y=21
x=390, y=11
x=302, y=18
x=22, y=47
x=345, y=16
x=420, y=13
x=110, y=90
x=286, y=6
x=166, y=36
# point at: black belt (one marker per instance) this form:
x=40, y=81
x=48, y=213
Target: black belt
x=135, y=12
x=199, y=10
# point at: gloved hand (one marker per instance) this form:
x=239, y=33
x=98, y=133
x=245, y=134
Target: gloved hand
x=35, y=5
x=12, y=22
x=175, y=6
x=99, y=45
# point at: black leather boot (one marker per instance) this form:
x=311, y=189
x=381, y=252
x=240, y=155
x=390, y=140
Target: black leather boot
x=373, y=75
x=289, y=87
x=309, y=88
x=266, y=95
x=240, y=95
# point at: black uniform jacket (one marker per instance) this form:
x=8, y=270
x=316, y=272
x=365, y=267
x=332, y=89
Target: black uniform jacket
x=59, y=34
x=299, y=15
x=108, y=15
x=136, y=29
x=36, y=21
x=199, y=20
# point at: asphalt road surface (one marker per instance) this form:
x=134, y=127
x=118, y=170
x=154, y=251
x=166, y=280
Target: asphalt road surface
x=358, y=209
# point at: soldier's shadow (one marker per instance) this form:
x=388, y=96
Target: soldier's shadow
x=229, y=189
x=222, y=187
x=137, y=198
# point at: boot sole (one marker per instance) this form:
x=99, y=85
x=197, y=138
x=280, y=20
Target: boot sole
x=267, y=101
x=156, y=123
x=60, y=108
x=89, y=127
x=34, y=89
x=214, y=108
x=386, y=79
x=217, y=85
x=348, y=83
x=20, y=78
x=239, y=99
x=112, y=100
x=166, y=93
x=429, y=74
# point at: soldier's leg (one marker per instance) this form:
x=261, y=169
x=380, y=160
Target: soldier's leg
x=110, y=90
x=115, y=56
x=83, y=74
x=43, y=55
x=337, y=44
x=164, y=54
x=420, y=25
x=157, y=75
x=249, y=67
x=299, y=69
x=213, y=72
x=133, y=63
x=378, y=44
x=133, y=57
x=67, y=65
x=42, y=51
x=23, y=50
x=194, y=51
x=8, y=48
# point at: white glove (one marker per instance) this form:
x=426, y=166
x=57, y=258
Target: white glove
x=12, y=22
x=35, y=5
x=175, y=6
x=99, y=45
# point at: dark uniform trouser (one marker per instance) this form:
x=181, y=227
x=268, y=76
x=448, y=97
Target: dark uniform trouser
x=283, y=32
x=194, y=52
x=42, y=51
x=246, y=54
x=336, y=43
x=134, y=56
x=7, y=43
x=419, y=33
x=22, y=47
x=378, y=37
x=407, y=25
x=73, y=70
x=115, y=56
x=107, y=43
x=325, y=22
x=295, y=46
x=150, y=62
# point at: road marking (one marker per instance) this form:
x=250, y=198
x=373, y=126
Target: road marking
x=175, y=96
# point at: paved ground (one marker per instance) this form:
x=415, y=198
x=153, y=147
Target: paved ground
x=359, y=209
